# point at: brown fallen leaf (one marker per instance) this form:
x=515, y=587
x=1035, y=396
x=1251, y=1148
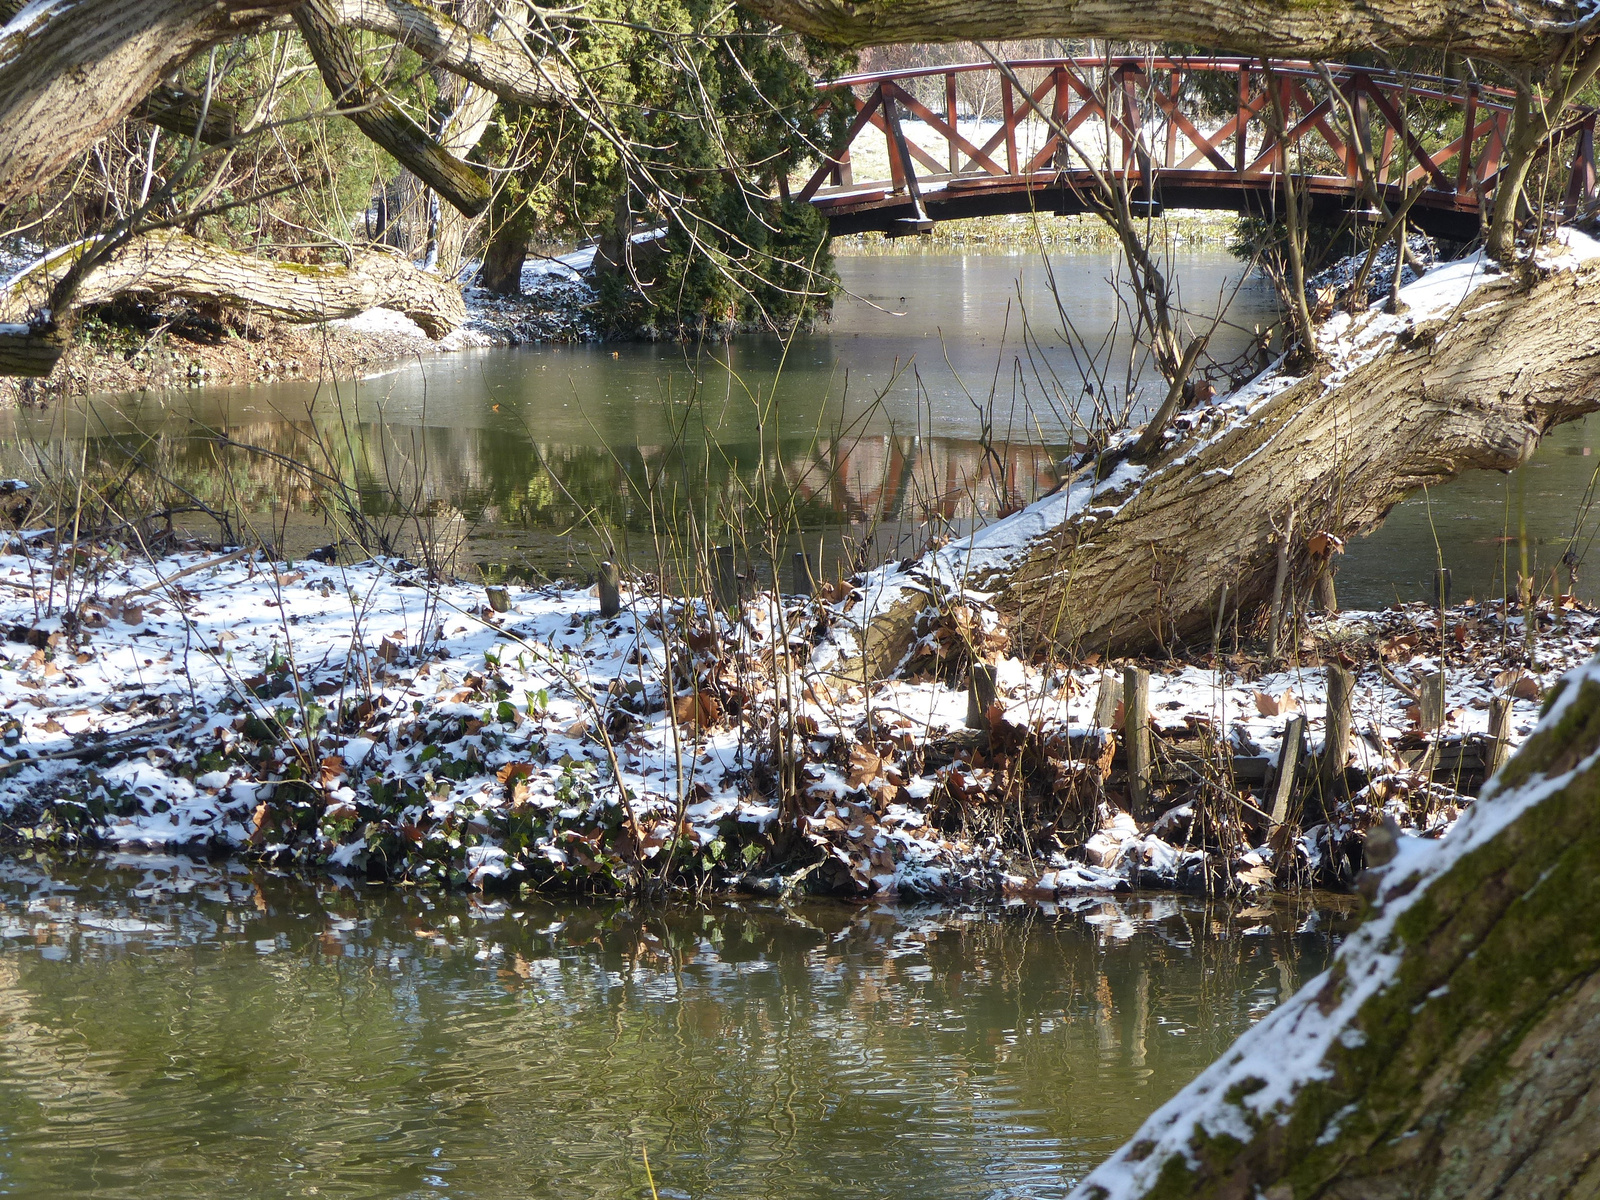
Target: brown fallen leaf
x=864, y=766
x=515, y=770
x=1527, y=688
x=1266, y=705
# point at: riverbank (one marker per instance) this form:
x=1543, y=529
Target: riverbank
x=363, y=720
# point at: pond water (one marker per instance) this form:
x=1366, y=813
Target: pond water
x=940, y=395
x=172, y=1029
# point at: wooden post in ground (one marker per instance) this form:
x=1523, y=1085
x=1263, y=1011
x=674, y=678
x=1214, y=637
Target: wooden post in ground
x=499, y=598
x=1106, y=701
x=980, y=695
x=804, y=582
x=1327, y=597
x=610, y=583
x=1288, y=763
x=727, y=581
x=1499, y=736
x=1336, y=730
x=1136, y=738
x=1430, y=701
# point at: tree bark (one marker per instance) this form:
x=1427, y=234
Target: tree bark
x=1450, y=1050
x=503, y=260
x=494, y=65
x=1142, y=561
x=177, y=266
x=380, y=118
x=1503, y=30
x=69, y=72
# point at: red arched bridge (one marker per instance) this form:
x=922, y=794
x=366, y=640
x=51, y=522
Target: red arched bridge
x=1179, y=132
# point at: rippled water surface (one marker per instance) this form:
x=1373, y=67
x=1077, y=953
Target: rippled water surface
x=170, y=1030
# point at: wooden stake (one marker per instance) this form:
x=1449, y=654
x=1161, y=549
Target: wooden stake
x=1105, y=704
x=1288, y=762
x=1336, y=731
x=727, y=577
x=980, y=695
x=610, y=590
x=1430, y=700
x=804, y=582
x=499, y=598
x=1136, y=738
x=1499, y=735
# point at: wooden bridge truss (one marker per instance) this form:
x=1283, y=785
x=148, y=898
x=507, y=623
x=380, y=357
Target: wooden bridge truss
x=1141, y=123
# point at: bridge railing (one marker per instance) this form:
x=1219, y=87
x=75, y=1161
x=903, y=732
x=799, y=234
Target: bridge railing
x=1136, y=118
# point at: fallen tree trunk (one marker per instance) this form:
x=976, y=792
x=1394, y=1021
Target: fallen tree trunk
x=1140, y=559
x=177, y=266
x=1450, y=1050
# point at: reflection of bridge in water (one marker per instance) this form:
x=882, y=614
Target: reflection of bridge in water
x=1143, y=121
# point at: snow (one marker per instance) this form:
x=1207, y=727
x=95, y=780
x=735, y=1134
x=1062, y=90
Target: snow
x=381, y=320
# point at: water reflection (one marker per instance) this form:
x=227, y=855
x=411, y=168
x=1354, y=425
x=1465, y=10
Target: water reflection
x=176, y=1029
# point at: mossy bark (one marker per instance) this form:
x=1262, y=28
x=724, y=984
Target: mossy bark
x=1471, y=1072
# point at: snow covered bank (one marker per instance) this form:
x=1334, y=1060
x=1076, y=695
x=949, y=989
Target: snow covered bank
x=361, y=718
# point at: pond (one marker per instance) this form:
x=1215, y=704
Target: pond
x=174, y=1029
x=942, y=394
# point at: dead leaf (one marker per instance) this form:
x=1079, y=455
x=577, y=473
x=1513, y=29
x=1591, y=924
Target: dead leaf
x=1266, y=705
x=512, y=771
x=1527, y=688
x=864, y=766
x=577, y=729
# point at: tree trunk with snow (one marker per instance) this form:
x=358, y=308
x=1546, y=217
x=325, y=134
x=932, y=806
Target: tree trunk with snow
x=1450, y=1050
x=1141, y=558
x=176, y=266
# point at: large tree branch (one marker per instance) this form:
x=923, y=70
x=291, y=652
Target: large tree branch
x=379, y=117
x=1509, y=31
x=70, y=71
x=505, y=70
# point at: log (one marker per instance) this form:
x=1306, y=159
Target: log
x=1449, y=1051
x=1476, y=389
x=1505, y=30
x=70, y=72
x=380, y=118
x=173, y=265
